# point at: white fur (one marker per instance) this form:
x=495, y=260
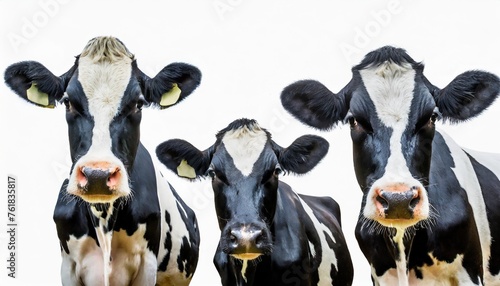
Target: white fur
x=390, y=87
x=131, y=260
x=244, y=146
x=439, y=274
x=83, y=263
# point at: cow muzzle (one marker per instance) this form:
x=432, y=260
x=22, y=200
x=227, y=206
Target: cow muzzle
x=99, y=182
x=398, y=205
x=246, y=242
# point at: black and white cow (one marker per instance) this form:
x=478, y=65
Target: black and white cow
x=270, y=235
x=430, y=211
x=118, y=221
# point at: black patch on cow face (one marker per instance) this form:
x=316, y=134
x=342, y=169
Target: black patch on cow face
x=125, y=127
x=419, y=134
x=370, y=139
x=80, y=122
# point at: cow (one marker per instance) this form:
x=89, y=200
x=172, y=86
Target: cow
x=270, y=235
x=430, y=209
x=118, y=221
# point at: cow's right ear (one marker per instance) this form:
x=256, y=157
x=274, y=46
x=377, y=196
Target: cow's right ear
x=182, y=158
x=35, y=83
x=314, y=104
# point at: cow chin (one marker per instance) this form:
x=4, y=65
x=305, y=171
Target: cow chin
x=246, y=256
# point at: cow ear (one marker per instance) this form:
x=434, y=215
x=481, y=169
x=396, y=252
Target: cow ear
x=171, y=85
x=314, y=104
x=467, y=95
x=35, y=83
x=182, y=158
x=303, y=154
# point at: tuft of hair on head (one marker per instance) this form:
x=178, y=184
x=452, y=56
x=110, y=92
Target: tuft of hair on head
x=106, y=49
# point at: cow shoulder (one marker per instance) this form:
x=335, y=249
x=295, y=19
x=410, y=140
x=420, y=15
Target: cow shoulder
x=290, y=238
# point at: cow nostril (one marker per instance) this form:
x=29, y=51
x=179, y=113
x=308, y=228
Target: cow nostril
x=113, y=178
x=382, y=201
x=259, y=238
x=233, y=238
x=414, y=202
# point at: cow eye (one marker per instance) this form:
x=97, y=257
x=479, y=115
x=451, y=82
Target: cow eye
x=211, y=173
x=352, y=122
x=434, y=117
x=428, y=121
x=141, y=103
x=66, y=102
x=277, y=170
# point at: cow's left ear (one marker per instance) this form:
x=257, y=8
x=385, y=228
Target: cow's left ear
x=303, y=154
x=171, y=85
x=182, y=158
x=469, y=94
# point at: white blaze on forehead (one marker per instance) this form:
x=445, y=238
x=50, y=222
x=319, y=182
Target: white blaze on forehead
x=245, y=145
x=390, y=87
x=104, y=84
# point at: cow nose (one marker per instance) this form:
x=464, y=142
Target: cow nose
x=248, y=242
x=398, y=205
x=99, y=181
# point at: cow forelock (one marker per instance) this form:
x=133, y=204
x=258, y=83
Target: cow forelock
x=391, y=88
x=245, y=145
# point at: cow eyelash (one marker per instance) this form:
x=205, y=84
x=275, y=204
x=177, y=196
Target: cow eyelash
x=435, y=116
x=356, y=123
x=278, y=170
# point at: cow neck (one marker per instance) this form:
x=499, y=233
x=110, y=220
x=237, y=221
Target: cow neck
x=244, y=270
x=103, y=217
x=397, y=241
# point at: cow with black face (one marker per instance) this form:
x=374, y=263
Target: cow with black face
x=118, y=221
x=430, y=210
x=270, y=235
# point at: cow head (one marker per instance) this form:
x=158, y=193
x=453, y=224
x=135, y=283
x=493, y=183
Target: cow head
x=104, y=93
x=244, y=165
x=392, y=109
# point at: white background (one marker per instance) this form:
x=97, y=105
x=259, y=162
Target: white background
x=248, y=51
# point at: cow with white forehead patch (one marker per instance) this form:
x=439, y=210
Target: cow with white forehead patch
x=430, y=210
x=270, y=235
x=118, y=221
